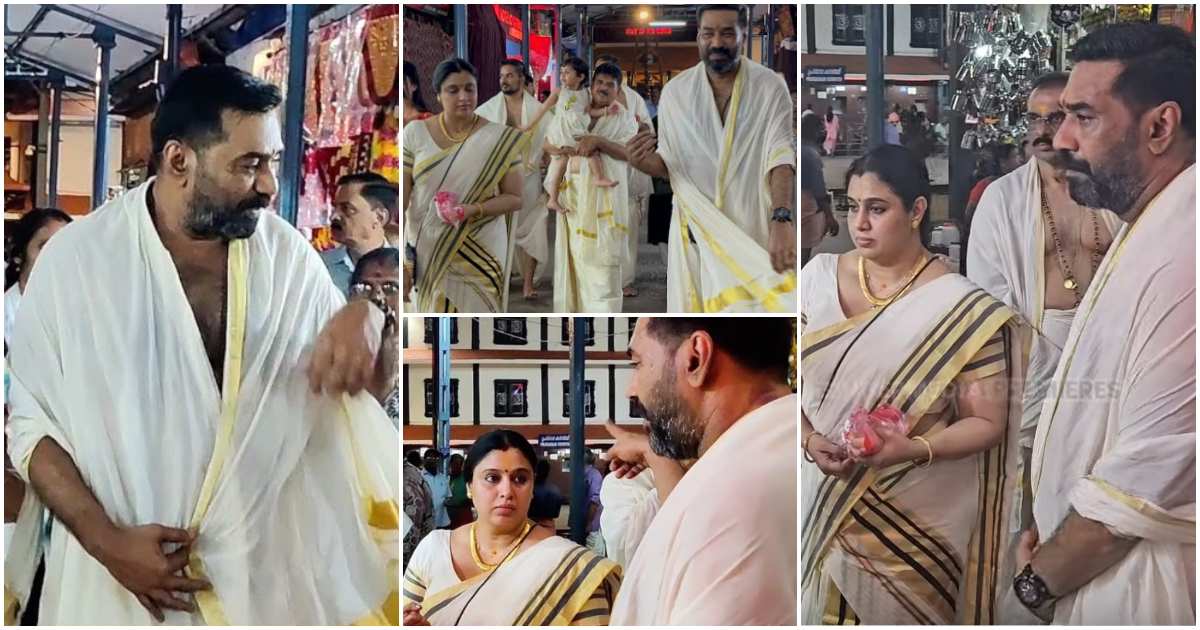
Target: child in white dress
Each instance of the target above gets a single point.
(572, 117)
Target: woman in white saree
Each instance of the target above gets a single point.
(460, 266)
(501, 570)
(913, 532)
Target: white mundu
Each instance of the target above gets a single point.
(1006, 258)
(590, 240)
(1116, 441)
(640, 187)
(629, 508)
(722, 549)
(294, 496)
(717, 257)
(530, 228)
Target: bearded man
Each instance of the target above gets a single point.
(721, 550)
(186, 398)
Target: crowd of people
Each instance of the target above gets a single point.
(663, 546)
(181, 344)
(476, 199)
(1016, 445)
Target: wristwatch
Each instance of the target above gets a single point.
(1031, 589)
(781, 215)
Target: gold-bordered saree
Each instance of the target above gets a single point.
(906, 545)
(460, 268)
(553, 583)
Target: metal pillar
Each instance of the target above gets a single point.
(579, 488)
(170, 58)
(56, 89)
(558, 47)
(749, 30)
(875, 85)
(460, 31)
(960, 159)
(769, 38)
(42, 139)
(105, 39)
(526, 25)
(291, 169)
(580, 20)
(441, 390)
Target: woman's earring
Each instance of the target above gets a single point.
(916, 223)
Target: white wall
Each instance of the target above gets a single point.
(77, 141)
(823, 14)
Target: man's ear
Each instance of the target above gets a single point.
(178, 160)
(699, 356)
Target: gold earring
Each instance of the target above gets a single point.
(916, 223)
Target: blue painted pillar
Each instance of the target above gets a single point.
(105, 40)
(292, 168)
(579, 487)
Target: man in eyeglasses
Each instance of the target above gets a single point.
(1034, 248)
(362, 208)
(377, 277)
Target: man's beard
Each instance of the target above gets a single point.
(674, 430)
(509, 90)
(723, 66)
(1113, 184)
(209, 218)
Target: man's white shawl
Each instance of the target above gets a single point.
(717, 252)
(294, 496)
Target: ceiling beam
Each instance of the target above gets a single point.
(123, 29)
(50, 64)
(33, 23)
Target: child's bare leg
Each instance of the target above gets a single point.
(558, 168)
(598, 176)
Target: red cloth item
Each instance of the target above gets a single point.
(977, 190)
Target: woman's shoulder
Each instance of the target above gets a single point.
(819, 269)
(432, 543)
(416, 133)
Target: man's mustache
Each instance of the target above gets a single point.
(724, 51)
(1068, 162)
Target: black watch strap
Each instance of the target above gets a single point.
(781, 215)
(1030, 589)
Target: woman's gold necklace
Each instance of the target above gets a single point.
(484, 566)
(866, 289)
(446, 132)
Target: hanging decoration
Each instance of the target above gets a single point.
(995, 75)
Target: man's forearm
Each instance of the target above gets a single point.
(1079, 551)
(653, 166)
(782, 182)
(667, 473)
(613, 150)
(58, 483)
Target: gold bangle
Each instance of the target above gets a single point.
(804, 448)
(929, 448)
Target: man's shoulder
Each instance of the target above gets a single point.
(334, 256)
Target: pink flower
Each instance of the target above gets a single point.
(613, 109)
(448, 208)
(865, 426)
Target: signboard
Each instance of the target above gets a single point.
(638, 31)
(554, 440)
(825, 74)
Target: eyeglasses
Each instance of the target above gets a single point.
(366, 288)
(1054, 119)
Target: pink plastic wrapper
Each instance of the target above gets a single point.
(448, 208)
(865, 426)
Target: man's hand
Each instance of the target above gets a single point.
(587, 146)
(1027, 546)
(627, 457)
(135, 558)
(781, 244)
(641, 145)
(344, 356)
